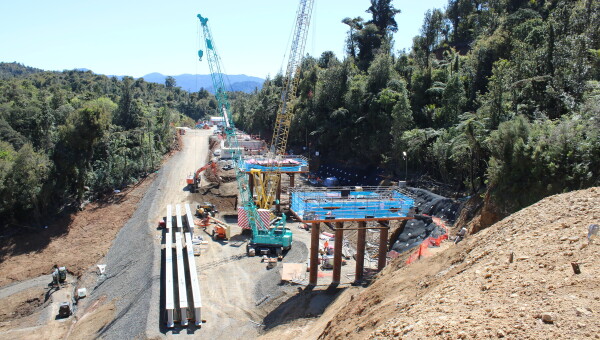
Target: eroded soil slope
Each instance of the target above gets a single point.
(473, 291)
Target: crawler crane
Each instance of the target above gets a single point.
(267, 183)
(264, 237)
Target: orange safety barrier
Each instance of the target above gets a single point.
(430, 241)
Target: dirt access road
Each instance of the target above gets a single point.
(237, 291)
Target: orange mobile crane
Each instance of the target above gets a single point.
(193, 180)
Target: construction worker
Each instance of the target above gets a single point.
(460, 235)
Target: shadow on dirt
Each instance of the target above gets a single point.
(25, 239)
(306, 304)
(22, 239)
(231, 219)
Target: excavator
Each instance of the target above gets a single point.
(193, 180)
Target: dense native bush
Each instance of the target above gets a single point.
(66, 137)
(496, 92)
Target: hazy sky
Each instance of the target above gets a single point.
(139, 37)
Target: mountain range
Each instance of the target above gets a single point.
(193, 83)
(188, 82)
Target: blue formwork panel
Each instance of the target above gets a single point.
(287, 164)
(350, 204)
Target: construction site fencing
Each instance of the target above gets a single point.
(422, 249)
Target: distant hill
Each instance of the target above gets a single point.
(188, 82)
(193, 83)
(10, 70)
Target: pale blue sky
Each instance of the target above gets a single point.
(139, 37)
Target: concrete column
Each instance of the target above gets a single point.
(251, 185)
(360, 251)
(314, 254)
(337, 252)
(278, 194)
(383, 242)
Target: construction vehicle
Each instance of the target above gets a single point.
(194, 180)
(62, 274)
(327, 262)
(271, 237)
(206, 208)
(267, 183)
(65, 309)
(220, 229)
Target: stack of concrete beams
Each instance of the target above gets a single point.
(181, 269)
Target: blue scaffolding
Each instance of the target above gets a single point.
(313, 205)
(287, 164)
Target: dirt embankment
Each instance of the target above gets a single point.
(473, 290)
(77, 241)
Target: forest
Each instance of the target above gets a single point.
(70, 137)
(498, 97)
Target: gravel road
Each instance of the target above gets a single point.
(133, 262)
(129, 278)
(229, 280)
(14, 288)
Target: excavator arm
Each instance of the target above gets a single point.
(211, 164)
(194, 181)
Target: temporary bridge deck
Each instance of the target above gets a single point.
(288, 164)
(357, 204)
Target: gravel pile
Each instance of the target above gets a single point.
(269, 285)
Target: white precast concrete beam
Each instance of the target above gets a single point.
(178, 217)
(169, 217)
(190, 218)
(170, 296)
(183, 300)
(194, 280)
